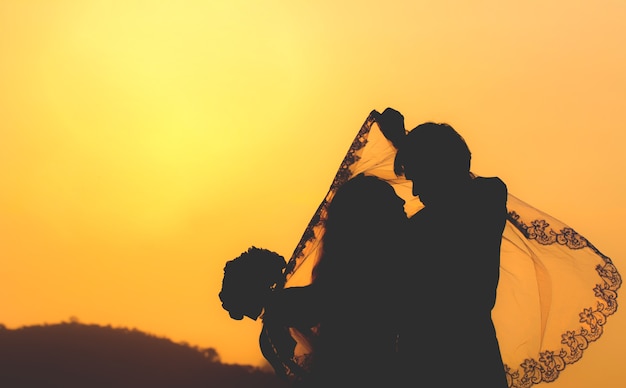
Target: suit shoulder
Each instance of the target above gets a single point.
(493, 185)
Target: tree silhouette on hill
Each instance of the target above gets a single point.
(73, 355)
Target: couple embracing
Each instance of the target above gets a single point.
(393, 298)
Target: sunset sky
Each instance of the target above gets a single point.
(145, 143)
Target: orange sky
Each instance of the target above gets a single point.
(143, 144)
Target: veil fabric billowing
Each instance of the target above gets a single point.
(555, 293)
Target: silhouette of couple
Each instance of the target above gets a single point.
(399, 294)
(393, 300)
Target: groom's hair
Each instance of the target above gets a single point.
(437, 144)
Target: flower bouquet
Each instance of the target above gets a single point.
(248, 280)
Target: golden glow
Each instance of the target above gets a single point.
(143, 144)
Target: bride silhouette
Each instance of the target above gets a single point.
(347, 316)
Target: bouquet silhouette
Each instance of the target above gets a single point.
(248, 280)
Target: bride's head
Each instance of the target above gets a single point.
(363, 219)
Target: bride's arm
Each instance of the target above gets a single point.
(293, 306)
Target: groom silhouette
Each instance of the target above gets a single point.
(447, 336)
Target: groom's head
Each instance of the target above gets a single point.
(434, 157)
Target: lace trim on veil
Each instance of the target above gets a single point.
(314, 230)
(580, 289)
(555, 293)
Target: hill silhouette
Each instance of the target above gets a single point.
(75, 355)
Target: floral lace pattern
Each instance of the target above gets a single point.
(592, 319)
(343, 174)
